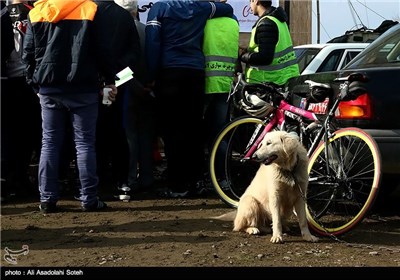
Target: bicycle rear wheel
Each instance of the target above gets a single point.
(344, 178)
(230, 172)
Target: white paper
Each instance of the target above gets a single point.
(124, 76)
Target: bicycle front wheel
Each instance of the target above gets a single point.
(230, 171)
(344, 176)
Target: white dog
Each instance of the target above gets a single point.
(277, 190)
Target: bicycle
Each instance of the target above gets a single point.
(344, 164)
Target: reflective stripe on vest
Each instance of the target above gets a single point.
(220, 48)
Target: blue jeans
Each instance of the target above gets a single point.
(81, 109)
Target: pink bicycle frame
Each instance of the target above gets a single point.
(277, 119)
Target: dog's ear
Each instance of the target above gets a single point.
(289, 143)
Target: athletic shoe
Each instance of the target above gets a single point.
(224, 185)
(124, 188)
(48, 207)
(99, 205)
(173, 194)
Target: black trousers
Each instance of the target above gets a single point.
(180, 102)
(20, 131)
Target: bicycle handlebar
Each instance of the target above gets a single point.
(263, 88)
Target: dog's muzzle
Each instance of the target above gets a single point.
(265, 160)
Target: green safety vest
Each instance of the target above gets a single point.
(220, 48)
(284, 64)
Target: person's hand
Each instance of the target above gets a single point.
(151, 84)
(148, 91)
(113, 93)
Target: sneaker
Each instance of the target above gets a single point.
(224, 185)
(124, 188)
(201, 189)
(172, 194)
(123, 192)
(47, 207)
(99, 205)
(123, 197)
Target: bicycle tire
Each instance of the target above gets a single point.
(335, 204)
(235, 174)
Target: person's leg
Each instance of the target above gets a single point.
(21, 134)
(167, 105)
(192, 137)
(184, 128)
(84, 119)
(147, 137)
(120, 157)
(5, 141)
(54, 115)
(132, 139)
(104, 135)
(215, 118)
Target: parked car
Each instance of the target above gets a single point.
(378, 110)
(314, 58)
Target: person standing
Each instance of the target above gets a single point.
(112, 144)
(221, 51)
(65, 52)
(140, 125)
(270, 56)
(7, 36)
(174, 39)
(7, 46)
(20, 108)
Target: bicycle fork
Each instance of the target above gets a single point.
(257, 137)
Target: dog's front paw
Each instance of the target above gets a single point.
(252, 230)
(277, 239)
(310, 238)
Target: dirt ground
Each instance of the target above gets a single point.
(152, 232)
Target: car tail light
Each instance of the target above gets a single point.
(360, 108)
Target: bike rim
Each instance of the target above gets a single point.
(335, 206)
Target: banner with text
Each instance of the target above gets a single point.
(241, 10)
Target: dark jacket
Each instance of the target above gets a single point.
(266, 38)
(174, 33)
(19, 17)
(125, 37)
(7, 37)
(64, 49)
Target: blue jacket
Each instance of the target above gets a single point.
(174, 33)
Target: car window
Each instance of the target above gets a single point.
(305, 56)
(349, 56)
(331, 62)
(383, 52)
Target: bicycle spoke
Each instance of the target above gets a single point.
(339, 202)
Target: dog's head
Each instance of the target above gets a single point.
(278, 147)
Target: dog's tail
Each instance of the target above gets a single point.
(230, 216)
